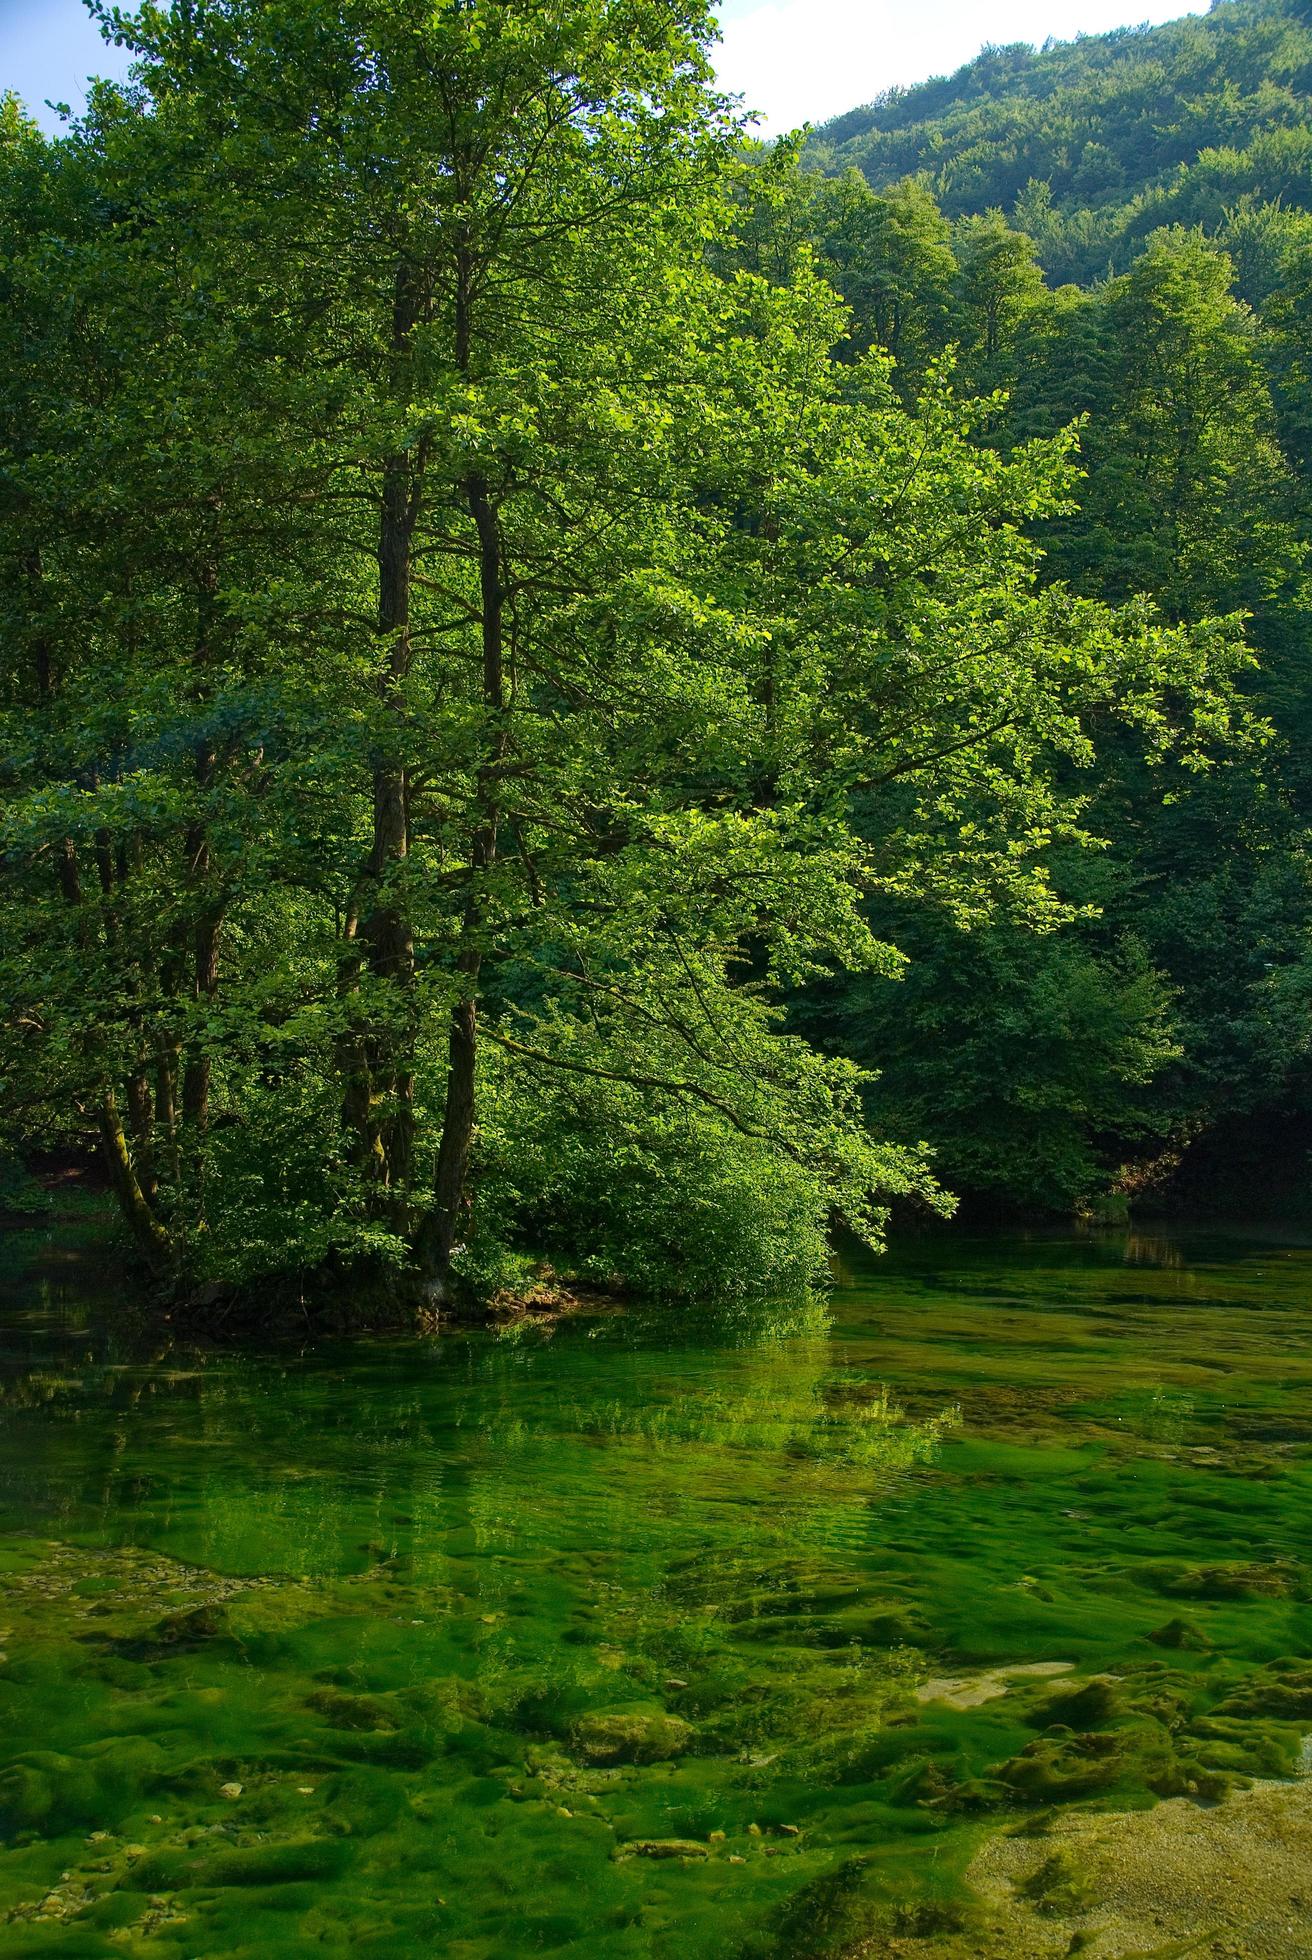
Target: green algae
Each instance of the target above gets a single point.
(610, 1638)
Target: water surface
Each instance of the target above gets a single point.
(640, 1636)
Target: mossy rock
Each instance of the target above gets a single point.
(47, 1792)
(113, 1910)
(1092, 1705)
(937, 1786)
(1279, 1693)
(1057, 1768)
(631, 1738)
(1232, 1579)
(165, 1870)
(1244, 1747)
(930, 1783)
(175, 1633)
(834, 1913)
(77, 1943)
(386, 1748)
(364, 1802)
(819, 1600)
(193, 1628)
(893, 1626)
(663, 1848)
(347, 1711)
(929, 1919)
(302, 1860)
(1185, 1777)
(1179, 1635)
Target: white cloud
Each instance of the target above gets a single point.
(804, 60)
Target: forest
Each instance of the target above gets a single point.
(585, 695)
(1115, 236)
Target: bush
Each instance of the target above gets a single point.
(665, 1201)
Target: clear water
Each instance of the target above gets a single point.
(628, 1637)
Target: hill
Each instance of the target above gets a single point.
(1092, 145)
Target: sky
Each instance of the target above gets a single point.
(794, 60)
(805, 60)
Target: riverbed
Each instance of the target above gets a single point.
(818, 1629)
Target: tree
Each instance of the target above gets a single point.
(890, 256)
(1289, 318)
(999, 284)
(1033, 1059)
(486, 624)
(1189, 494)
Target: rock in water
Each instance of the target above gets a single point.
(631, 1738)
(662, 1848)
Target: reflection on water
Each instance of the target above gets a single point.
(607, 1640)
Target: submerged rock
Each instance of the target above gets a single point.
(632, 1738)
(1178, 1634)
(347, 1711)
(45, 1792)
(662, 1848)
(1229, 1579)
(973, 1690)
(1056, 1767)
(1281, 1692)
(1092, 1705)
(191, 1629)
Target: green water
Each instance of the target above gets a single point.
(401, 1593)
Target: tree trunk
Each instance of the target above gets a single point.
(198, 1071)
(152, 1239)
(141, 1113)
(444, 1229)
(168, 1061)
(377, 1052)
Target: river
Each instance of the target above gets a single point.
(723, 1634)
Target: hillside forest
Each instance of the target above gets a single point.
(1115, 236)
(581, 690)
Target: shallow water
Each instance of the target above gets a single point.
(316, 1649)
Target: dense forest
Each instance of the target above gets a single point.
(580, 689)
(1115, 236)
(1093, 145)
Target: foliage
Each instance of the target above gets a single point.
(1166, 169)
(479, 639)
(1031, 1059)
(491, 632)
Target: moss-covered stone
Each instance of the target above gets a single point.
(1281, 1693)
(1092, 1705)
(637, 1737)
(346, 1711)
(1058, 1768)
(663, 1848)
(1180, 1635)
(1228, 1579)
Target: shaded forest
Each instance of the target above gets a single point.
(1115, 235)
